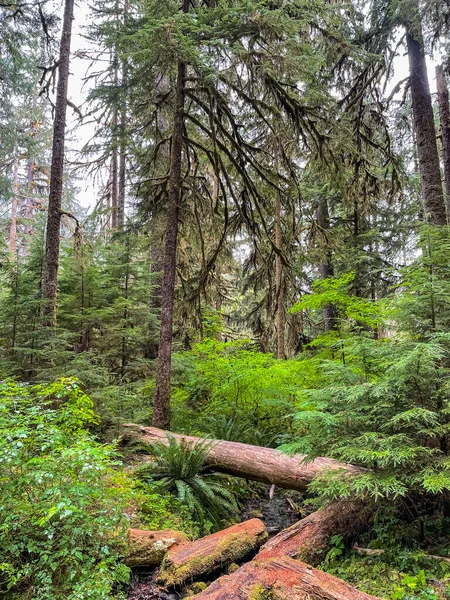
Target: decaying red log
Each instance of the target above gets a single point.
(309, 539)
(148, 548)
(191, 560)
(252, 462)
(280, 578)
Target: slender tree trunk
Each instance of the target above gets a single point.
(122, 145)
(325, 266)
(14, 206)
(278, 270)
(161, 406)
(444, 115)
(122, 171)
(29, 201)
(53, 234)
(115, 155)
(430, 173)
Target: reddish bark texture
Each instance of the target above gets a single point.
(161, 404)
(252, 462)
(285, 579)
(444, 115)
(429, 168)
(53, 233)
(310, 538)
(187, 561)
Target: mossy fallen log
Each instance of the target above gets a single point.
(186, 562)
(280, 578)
(251, 462)
(148, 548)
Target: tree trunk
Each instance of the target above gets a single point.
(14, 207)
(429, 168)
(279, 301)
(208, 554)
(122, 170)
(115, 154)
(252, 462)
(325, 266)
(161, 404)
(444, 115)
(282, 578)
(29, 201)
(53, 233)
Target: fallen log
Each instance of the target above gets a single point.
(280, 578)
(309, 539)
(148, 548)
(379, 552)
(251, 462)
(188, 561)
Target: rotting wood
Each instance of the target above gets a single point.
(280, 578)
(191, 560)
(148, 548)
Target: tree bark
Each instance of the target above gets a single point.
(282, 578)
(14, 206)
(309, 539)
(274, 569)
(122, 143)
(122, 170)
(429, 168)
(326, 265)
(208, 554)
(252, 462)
(279, 301)
(444, 116)
(53, 233)
(115, 153)
(161, 404)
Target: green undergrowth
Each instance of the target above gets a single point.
(395, 575)
(409, 559)
(163, 511)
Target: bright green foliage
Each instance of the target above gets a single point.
(61, 514)
(386, 403)
(179, 467)
(334, 291)
(242, 391)
(395, 575)
(158, 509)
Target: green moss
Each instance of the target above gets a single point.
(231, 548)
(258, 592)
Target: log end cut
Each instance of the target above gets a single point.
(148, 548)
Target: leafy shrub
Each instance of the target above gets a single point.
(395, 575)
(62, 506)
(235, 382)
(179, 467)
(158, 510)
